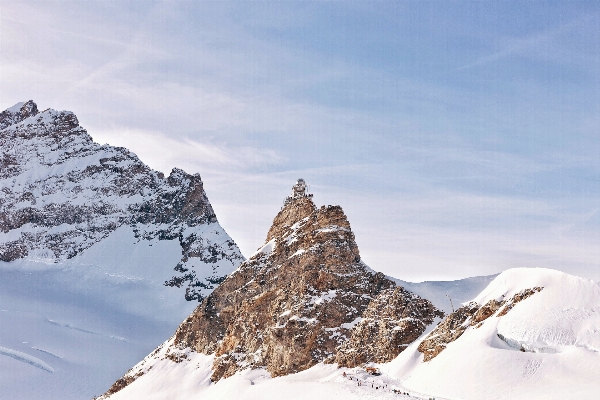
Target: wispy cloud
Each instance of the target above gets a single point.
(523, 46)
(164, 152)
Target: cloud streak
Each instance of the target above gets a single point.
(523, 46)
(164, 152)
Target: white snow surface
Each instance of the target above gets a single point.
(559, 329)
(87, 319)
(16, 108)
(189, 379)
(266, 249)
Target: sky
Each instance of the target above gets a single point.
(460, 138)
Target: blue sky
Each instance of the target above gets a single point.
(461, 138)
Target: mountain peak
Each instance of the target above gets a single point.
(62, 193)
(296, 207)
(17, 113)
(304, 298)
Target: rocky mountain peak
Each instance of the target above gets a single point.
(17, 113)
(303, 298)
(62, 193)
(297, 206)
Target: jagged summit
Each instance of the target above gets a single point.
(296, 206)
(62, 193)
(17, 113)
(303, 298)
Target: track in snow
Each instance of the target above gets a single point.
(26, 358)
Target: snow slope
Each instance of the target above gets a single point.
(189, 379)
(68, 330)
(550, 347)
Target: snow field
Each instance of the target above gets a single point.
(87, 319)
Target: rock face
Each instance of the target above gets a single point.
(466, 316)
(393, 320)
(305, 297)
(61, 193)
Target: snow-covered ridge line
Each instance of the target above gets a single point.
(470, 315)
(62, 193)
(531, 333)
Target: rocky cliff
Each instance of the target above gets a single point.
(303, 298)
(61, 193)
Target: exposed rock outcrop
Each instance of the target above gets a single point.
(305, 297)
(469, 315)
(393, 320)
(61, 193)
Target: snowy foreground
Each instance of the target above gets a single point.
(190, 380)
(546, 347)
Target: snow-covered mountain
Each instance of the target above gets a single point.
(89, 240)
(304, 298)
(62, 193)
(530, 334)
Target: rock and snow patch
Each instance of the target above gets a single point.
(351, 324)
(322, 297)
(544, 346)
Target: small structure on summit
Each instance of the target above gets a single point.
(298, 191)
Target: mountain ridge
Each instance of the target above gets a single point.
(62, 193)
